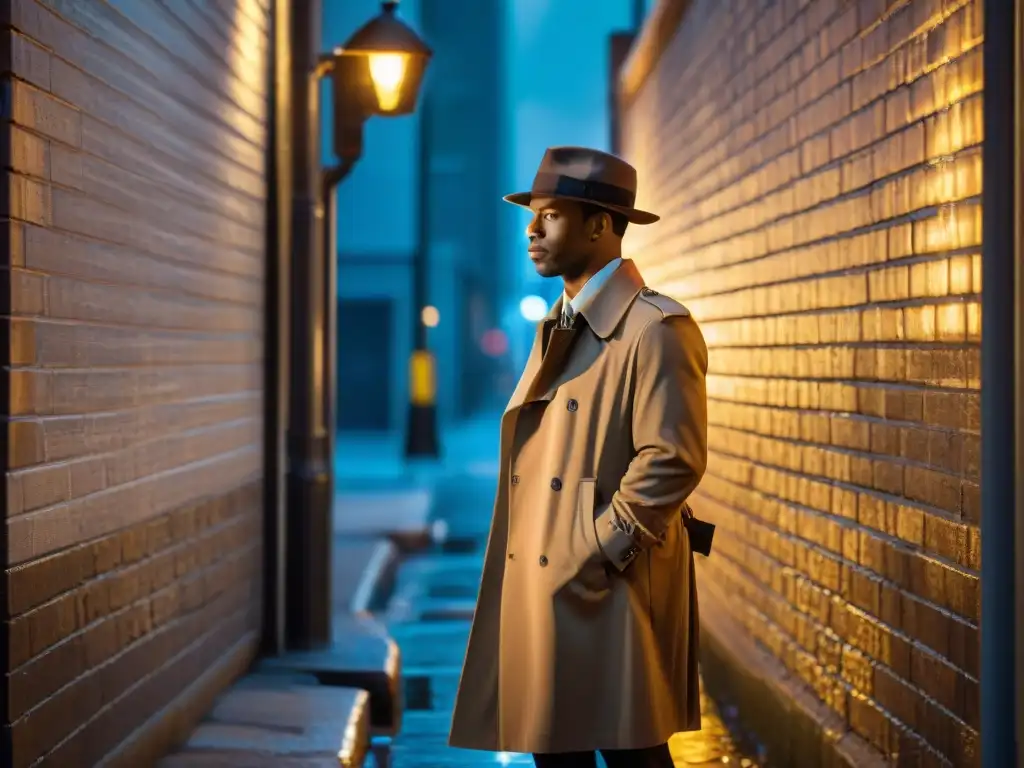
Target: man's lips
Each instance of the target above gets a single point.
(536, 249)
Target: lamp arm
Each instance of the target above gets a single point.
(324, 66)
(351, 129)
(335, 174)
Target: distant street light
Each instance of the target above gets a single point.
(494, 342)
(430, 317)
(533, 308)
(378, 72)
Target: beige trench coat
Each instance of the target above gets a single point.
(585, 632)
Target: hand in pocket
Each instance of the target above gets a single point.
(591, 578)
(592, 581)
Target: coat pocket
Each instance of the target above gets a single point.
(586, 508)
(591, 572)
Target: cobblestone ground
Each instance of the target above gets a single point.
(429, 616)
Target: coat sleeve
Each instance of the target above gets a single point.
(669, 424)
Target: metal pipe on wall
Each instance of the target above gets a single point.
(1018, 318)
(329, 185)
(310, 465)
(330, 178)
(1000, 407)
(276, 315)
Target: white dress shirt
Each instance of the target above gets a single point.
(591, 287)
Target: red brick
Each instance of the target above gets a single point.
(133, 206)
(807, 220)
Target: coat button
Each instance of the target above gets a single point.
(572, 405)
(556, 484)
(511, 556)
(543, 560)
(515, 479)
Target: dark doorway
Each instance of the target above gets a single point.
(365, 376)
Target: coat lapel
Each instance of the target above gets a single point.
(534, 361)
(559, 345)
(602, 314)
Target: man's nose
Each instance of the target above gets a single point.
(534, 229)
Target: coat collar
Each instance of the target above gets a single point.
(593, 285)
(605, 309)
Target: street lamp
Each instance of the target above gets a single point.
(378, 72)
(421, 423)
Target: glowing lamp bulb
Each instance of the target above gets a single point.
(387, 70)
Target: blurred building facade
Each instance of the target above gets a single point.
(818, 167)
(459, 217)
(133, 214)
(424, 190)
(376, 241)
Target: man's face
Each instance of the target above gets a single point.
(560, 240)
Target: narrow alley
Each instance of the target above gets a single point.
(272, 270)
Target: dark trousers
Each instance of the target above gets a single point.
(654, 757)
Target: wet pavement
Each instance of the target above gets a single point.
(429, 616)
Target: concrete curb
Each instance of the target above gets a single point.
(798, 729)
(377, 579)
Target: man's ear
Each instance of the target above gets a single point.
(601, 224)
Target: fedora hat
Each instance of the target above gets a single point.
(589, 176)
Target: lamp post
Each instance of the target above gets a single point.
(421, 424)
(379, 72)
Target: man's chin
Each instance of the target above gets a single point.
(544, 269)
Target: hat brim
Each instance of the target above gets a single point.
(633, 215)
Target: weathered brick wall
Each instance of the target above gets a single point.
(133, 232)
(818, 166)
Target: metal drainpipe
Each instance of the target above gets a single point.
(279, 208)
(1018, 304)
(310, 466)
(999, 406)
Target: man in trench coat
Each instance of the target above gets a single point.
(585, 632)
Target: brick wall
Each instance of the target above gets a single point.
(132, 212)
(818, 166)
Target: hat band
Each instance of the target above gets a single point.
(556, 185)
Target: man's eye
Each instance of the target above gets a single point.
(550, 216)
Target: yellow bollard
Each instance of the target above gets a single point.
(422, 379)
(421, 431)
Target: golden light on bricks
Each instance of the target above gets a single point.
(821, 225)
(248, 48)
(942, 180)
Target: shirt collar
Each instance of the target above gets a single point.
(592, 286)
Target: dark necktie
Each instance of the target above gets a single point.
(566, 320)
